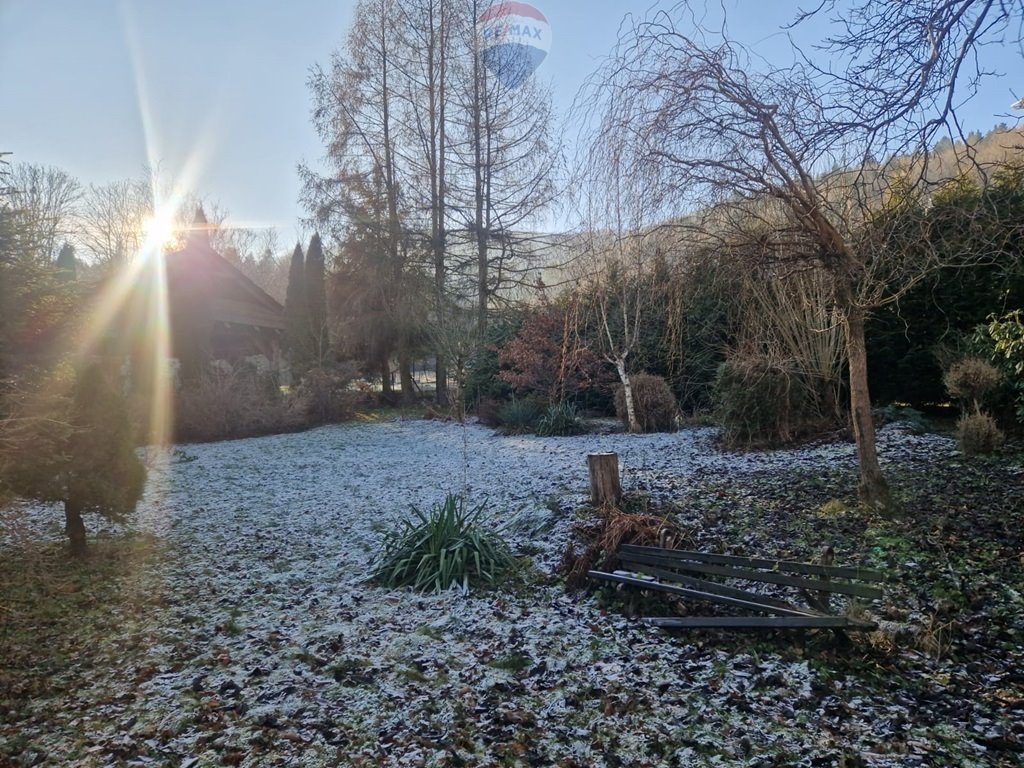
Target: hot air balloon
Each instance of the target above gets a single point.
(515, 39)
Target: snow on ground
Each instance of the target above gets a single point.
(273, 649)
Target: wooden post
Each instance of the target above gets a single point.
(604, 479)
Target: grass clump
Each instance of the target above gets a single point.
(443, 549)
(559, 420)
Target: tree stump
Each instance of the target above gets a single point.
(604, 479)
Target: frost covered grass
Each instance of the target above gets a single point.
(253, 636)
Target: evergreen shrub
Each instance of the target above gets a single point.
(759, 402)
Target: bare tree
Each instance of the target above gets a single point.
(912, 64)
(716, 140)
(506, 157)
(46, 199)
(426, 27)
(112, 220)
(360, 201)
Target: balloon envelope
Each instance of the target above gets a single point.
(515, 39)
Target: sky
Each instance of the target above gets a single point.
(214, 91)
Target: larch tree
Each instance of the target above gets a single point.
(358, 103)
(426, 28)
(505, 161)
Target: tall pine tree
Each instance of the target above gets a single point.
(296, 312)
(316, 302)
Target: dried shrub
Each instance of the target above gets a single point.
(547, 359)
(324, 397)
(601, 539)
(760, 402)
(227, 406)
(655, 405)
(488, 412)
(977, 434)
(971, 380)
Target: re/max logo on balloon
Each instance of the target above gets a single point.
(501, 32)
(514, 39)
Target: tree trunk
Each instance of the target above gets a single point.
(405, 375)
(385, 378)
(441, 380)
(873, 489)
(627, 391)
(75, 527)
(604, 479)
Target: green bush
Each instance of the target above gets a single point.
(444, 549)
(977, 434)
(653, 401)
(915, 421)
(520, 416)
(558, 420)
(760, 403)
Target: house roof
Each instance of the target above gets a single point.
(230, 296)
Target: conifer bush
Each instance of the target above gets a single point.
(442, 549)
(520, 416)
(655, 405)
(758, 402)
(76, 447)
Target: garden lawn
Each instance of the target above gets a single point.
(233, 623)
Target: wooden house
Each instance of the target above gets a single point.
(216, 312)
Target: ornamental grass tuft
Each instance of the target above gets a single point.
(443, 549)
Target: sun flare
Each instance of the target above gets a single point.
(159, 231)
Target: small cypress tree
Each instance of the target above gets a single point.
(79, 451)
(316, 298)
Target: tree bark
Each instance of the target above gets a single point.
(627, 391)
(605, 489)
(75, 527)
(405, 375)
(872, 488)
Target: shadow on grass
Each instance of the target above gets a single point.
(63, 620)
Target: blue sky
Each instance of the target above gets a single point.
(223, 82)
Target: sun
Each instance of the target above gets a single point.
(159, 231)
